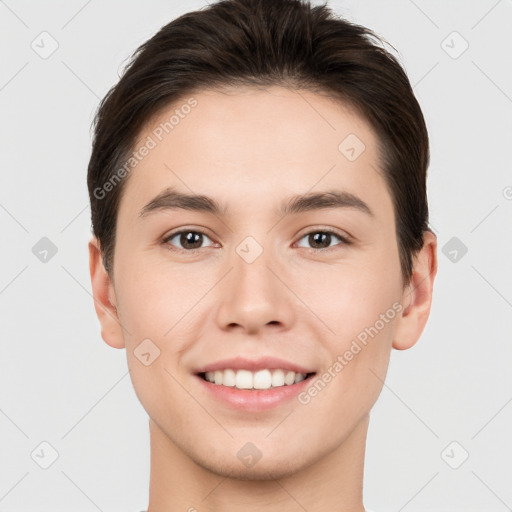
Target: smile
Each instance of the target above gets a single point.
(261, 379)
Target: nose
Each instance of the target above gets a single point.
(254, 295)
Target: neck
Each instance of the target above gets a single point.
(333, 482)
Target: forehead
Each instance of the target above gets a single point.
(273, 122)
(245, 141)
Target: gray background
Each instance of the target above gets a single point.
(61, 384)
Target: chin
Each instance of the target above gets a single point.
(261, 471)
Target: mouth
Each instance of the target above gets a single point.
(261, 380)
(253, 385)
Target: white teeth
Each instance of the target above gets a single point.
(289, 378)
(277, 378)
(262, 379)
(243, 379)
(299, 377)
(229, 378)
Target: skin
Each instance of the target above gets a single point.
(251, 149)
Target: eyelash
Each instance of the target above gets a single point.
(344, 240)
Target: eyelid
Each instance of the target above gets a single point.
(328, 229)
(185, 229)
(345, 238)
(167, 237)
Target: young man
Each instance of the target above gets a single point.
(261, 243)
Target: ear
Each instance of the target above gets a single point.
(104, 298)
(417, 295)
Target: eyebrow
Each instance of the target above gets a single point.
(171, 199)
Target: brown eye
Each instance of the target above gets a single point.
(190, 240)
(321, 239)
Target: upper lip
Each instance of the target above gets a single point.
(241, 363)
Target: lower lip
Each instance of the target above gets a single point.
(257, 399)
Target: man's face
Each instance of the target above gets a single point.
(259, 284)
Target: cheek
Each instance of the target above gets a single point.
(350, 296)
(358, 357)
(155, 296)
(158, 315)
(360, 305)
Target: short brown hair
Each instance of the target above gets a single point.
(262, 43)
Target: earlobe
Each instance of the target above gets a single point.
(417, 296)
(104, 298)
